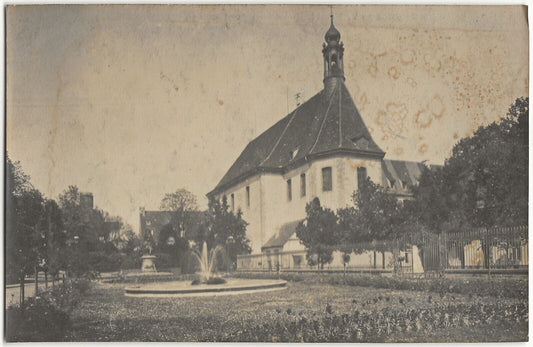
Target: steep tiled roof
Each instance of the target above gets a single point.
(327, 123)
(280, 238)
(402, 175)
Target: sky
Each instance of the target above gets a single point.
(130, 102)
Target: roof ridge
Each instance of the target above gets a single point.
(324, 120)
(281, 136)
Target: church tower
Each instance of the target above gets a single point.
(332, 50)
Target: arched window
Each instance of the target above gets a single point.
(334, 60)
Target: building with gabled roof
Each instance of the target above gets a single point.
(321, 149)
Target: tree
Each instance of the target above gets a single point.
(181, 202)
(54, 237)
(318, 233)
(171, 246)
(226, 229)
(376, 214)
(24, 207)
(485, 181)
(88, 250)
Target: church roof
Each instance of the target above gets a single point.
(402, 175)
(326, 124)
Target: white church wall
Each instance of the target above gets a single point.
(270, 206)
(251, 213)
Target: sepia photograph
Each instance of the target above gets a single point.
(266, 173)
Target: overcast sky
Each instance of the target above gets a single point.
(132, 102)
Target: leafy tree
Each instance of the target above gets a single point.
(24, 207)
(182, 227)
(318, 233)
(54, 239)
(131, 241)
(485, 181)
(86, 236)
(181, 202)
(172, 245)
(226, 229)
(376, 215)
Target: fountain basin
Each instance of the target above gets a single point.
(186, 289)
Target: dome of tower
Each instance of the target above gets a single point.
(332, 34)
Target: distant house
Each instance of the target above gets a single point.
(321, 149)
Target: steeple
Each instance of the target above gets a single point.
(332, 50)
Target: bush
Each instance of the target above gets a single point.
(103, 261)
(164, 261)
(216, 280)
(38, 320)
(212, 280)
(130, 261)
(46, 317)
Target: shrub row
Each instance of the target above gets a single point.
(496, 287)
(47, 316)
(378, 326)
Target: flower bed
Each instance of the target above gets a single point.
(379, 326)
(496, 287)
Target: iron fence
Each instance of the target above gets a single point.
(483, 250)
(487, 248)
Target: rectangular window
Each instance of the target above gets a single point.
(297, 260)
(247, 196)
(289, 190)
(326, 179)
(302, 184)
(361, 176)
(232, 202)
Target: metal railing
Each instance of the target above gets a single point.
(484, 250)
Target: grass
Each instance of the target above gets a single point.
(107, 315)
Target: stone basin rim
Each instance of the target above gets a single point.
(213, 288)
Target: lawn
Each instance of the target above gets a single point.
(302, 312)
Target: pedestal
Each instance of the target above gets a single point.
(148, 263)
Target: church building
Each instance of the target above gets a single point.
(321, 149)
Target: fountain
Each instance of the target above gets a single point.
(208, 284)
(207, 262)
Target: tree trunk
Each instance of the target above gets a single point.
(46, 280)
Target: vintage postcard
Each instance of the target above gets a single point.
(266, 173)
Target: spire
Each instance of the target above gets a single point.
(332, 50)
(332, 34)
